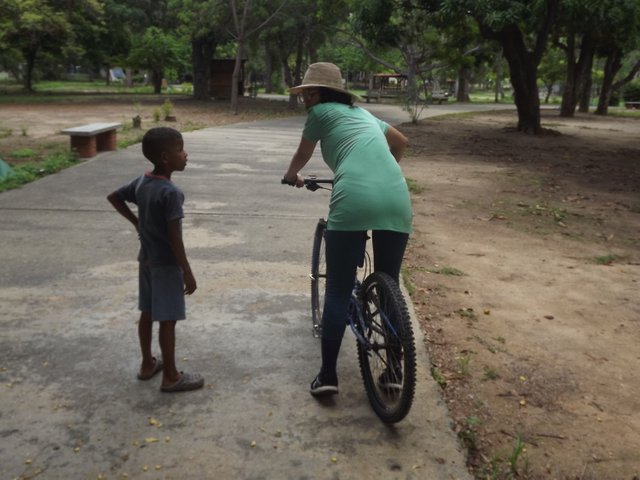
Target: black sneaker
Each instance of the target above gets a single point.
(391, 379)
(319, 389)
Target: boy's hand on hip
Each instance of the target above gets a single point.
(189, 283)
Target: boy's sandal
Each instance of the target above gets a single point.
(157, 368)
(188, 381)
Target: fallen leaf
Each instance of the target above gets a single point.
(253, 444)
(151, 439)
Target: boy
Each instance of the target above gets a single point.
(164, 272)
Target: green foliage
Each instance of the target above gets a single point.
(608, 259)
(167, 108)
(155, 50)
(23, 153)
(631, 92)
(29, 172)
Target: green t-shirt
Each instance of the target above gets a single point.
(369, 191)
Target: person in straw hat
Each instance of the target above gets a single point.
(369, 193)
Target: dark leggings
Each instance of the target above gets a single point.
(345, 251)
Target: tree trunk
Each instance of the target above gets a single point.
(464, 80)
(268, 70)
(568, 104)
(577, 73)
(587, 85)
(523, 70)
(202, 49)
(499, 93)
(156, 80)
(611, 67)
(235, 76)
(30, 57)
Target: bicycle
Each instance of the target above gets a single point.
(379, 318)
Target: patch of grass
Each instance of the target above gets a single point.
(28, 172)
(23, 153)
(608, 259)
(468, 434)
(463, 364)
(406, 279)
(490, 373)
(514, 466)
(487, 344)
(468, 313)
(623, 112)
(450, 271)
(414, 186)
(127, 142)
(515, 456)
(438, 377)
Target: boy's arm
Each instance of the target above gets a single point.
(122, 208)
(177, 245)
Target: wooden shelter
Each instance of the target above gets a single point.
(220, 80)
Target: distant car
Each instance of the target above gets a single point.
(439, 96)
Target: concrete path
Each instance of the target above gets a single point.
(71, 406)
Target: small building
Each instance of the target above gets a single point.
(220, 79)
(386, 86)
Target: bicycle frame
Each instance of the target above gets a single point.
(356, 318)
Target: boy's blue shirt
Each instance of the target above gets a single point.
(159, 201)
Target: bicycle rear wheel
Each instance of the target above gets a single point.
(318, 276)
(387, 357)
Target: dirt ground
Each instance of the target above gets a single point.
(524, 269)
(525, 266)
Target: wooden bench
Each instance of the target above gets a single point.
(90, 139)
(378, 95)
(630, 105)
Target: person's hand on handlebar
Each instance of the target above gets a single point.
(297, 182)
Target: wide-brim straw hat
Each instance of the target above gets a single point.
(322, 74)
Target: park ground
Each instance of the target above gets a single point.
(524, 269)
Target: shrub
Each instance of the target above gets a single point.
(632, 92)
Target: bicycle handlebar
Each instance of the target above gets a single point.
(311, 183)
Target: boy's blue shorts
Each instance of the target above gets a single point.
(162, 292)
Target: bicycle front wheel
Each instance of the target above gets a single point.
(318, 276)
(387, 356)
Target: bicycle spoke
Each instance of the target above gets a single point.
(387, 358)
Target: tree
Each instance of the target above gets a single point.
(551, 70)
(295, 40)
(155, 51)
(522, 29)
(32, 27)
(246, 23)
(203, 23)
(408, 29)
(577, 31)
(623, 37)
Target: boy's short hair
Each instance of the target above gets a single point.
(158, 140)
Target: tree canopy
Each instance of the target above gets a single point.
(425, 40)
